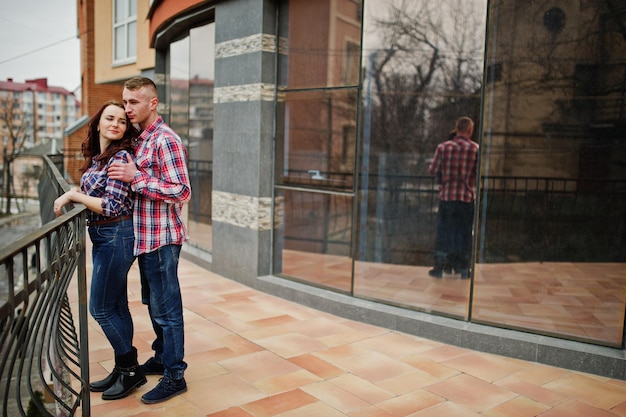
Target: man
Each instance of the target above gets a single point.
(455, 165)
(160, 180)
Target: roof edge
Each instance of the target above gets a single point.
(77, 125)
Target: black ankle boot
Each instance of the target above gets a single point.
(104, 384)
(130, 377)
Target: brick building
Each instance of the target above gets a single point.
(310, 125)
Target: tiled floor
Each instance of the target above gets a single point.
(252, 354)
(584, 301)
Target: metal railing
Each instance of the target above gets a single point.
(532, 218)
(44, 362)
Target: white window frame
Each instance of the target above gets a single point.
(127, 20)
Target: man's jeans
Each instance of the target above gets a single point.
(453, 244)
(161, 292)
(112, 255)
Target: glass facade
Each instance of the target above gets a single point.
(316, 141)
(356, 207)
(551, 242)
(191, 85)
(366, 91)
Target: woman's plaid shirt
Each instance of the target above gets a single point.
(117, 198)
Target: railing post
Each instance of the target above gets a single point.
(81, 272)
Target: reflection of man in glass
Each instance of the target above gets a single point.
(454, 164)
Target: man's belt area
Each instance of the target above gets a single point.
(109, 220)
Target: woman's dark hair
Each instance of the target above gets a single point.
(91, 145)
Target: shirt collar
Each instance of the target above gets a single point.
(145, 134)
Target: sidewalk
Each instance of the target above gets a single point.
(18, 225)
(253, 354)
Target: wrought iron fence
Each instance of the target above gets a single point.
(44, 363)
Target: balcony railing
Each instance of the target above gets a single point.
(43, 354)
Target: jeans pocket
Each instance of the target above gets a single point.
(128, 244)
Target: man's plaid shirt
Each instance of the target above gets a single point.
(455, 162)
(162, 187)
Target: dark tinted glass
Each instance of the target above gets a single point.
(551, 242)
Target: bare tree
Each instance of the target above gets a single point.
(425, 65)
(430, 55)
(17, 126)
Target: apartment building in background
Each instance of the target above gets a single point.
(38, 114)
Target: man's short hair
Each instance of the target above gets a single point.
(464, 124)
(138, 82)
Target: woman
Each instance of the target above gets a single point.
(109, 138)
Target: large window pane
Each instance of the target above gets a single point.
(201, 88)
(179, 87)
(313, 242)
(552, 240)
(322, 41)
(191, 68)
(316, 136)
(423, 64)
(318, 139)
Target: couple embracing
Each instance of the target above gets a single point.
(134, 184)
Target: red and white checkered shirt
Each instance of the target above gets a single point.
(455, 162)
(162, 187)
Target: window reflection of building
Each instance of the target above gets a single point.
(550, 172)
(201, 147)
(191, 90)
(423, 69)
(554, 173)
(317, 138)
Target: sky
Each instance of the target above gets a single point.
(39, 39)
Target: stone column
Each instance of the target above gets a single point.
(243, 138)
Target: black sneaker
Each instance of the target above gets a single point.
(166, 389)
(435, 273)
(152, 367)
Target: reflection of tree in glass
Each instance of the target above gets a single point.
(426, 69)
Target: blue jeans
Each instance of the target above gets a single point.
(453, 244)
(112, 255)
(161, 292)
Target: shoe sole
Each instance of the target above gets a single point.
(160, 400)
(127, 392)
